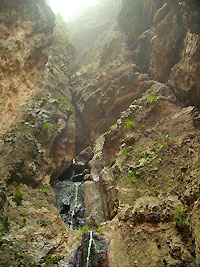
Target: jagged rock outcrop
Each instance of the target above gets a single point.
(131, 108)
(91, 22)
(154, 45)
(164, 37)
(25, 37)
(33, 149)
(154, 166)
(36, 143)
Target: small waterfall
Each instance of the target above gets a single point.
(75, 204)
(89, 248)
(92, 252)
(69, 201)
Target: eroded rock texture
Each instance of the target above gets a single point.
(36, 144)
(134, 116)
(148, 158)
(26, 28)
(37, 60)
(145, 169)
(164, 37)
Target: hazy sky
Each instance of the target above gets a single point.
(68, 7)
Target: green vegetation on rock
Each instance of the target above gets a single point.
(24, 213)
(99, 230)
(18, 196)
(52, 258)
(129, 123)
(181, 217)
(61, 31)
(83, 70)
(153, 98)
(85, 228)
(46, 190)
(46, 127)
(24, 127)
(64, 99)
(132, 177)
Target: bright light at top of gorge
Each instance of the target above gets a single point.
(68, 7)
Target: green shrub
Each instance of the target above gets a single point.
(24, 213)
(153, 98)
(52, 258)
(99, 230)
(46, 190)
(129, 123)
(126, 150)
(46, 127)
(24, 127)
(83, 70)
(85, 228)
(18, 196)
(132, 177)
(64, 99)
(181, 217)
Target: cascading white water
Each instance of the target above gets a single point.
(89, 248)
(75, 204)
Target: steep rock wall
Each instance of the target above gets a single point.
(40, 131)
(162, 41)
(145, 169)
(164, 37)
(143, 180)
(26, 29)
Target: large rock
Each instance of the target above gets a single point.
(170, 54)
(146, 157)
(26, 33)
(94, 212)
(166, 47)
(100, 101)
(33, 147)
(45, 129)
(185, 74)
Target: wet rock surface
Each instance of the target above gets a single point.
(136, 182)
(33, 147)
(69, 201)
(91, 253)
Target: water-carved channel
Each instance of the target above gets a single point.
(92, 252)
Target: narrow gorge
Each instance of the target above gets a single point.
(100, 134)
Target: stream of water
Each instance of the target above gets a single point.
(89, 248)
(69, 201)
(75, 204)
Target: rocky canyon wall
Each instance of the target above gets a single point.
(128, 100)
(37, 129)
